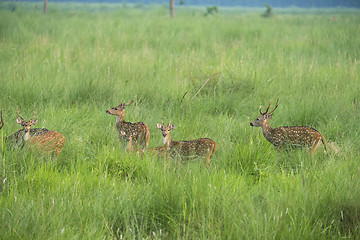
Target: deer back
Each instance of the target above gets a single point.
(306, 137)
(18, 137)
(50, 141)
(159, 151)
(201, 147)
(140, 132)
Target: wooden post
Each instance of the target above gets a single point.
(172, 8)
(45, 6)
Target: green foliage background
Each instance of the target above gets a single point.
(79, 60)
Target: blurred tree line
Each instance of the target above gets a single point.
(243, 3)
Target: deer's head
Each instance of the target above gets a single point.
(26, 124)
(120, 109)
(264, 116)
(165, 130)
(128, 137)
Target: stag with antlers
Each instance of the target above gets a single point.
(17, 138)
(47, 142)
(305, 137)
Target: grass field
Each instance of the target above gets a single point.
(77, 61)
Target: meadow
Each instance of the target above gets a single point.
(79, 60)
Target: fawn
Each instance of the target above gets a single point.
(203, 147)
(305, 137)
(47, 142)
(142, 131)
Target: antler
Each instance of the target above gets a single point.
(274, 107)
(17, 111)
(267, 109)
(169, 124)
(34, 115)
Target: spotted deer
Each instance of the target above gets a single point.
(157, 150)
(305, 137)
(142, 136)
(199, 148)
(47, 142)
(17, 138)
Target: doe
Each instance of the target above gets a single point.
(203, 148)
(142, 131)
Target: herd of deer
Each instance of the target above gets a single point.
(137, 135)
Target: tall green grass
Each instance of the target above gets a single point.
(79, 60)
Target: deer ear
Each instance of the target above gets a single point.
(268, 116)
(158, 126)
(123, 133)
(34, 122)
(18, 121)
(172, 127)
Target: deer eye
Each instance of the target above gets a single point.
(257, 119)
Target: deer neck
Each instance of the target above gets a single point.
(120, 118)
(27, 134)
(167, 141)
(267, 130)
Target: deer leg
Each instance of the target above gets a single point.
(313, 148)
(208, 158)
(146, 139)
(316, 145)
(206, 161)
(144, 143)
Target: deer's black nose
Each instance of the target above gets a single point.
(251, 124)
